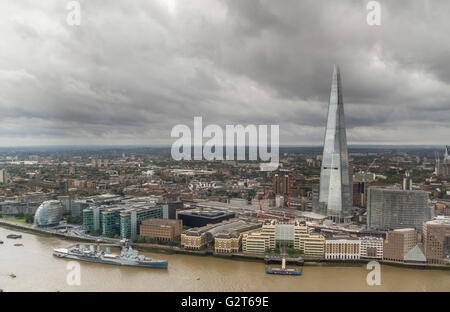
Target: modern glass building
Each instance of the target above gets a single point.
(91, 219)
(130, 220)
(389, 208)
(334, 194)
(111, 221)
(49, 213)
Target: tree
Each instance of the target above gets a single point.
(29, 218)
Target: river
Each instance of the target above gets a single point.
(36, 269)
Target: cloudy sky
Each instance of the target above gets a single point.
(134, 69)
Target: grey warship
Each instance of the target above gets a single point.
(127, 257)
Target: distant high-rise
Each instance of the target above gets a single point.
(3, 176)
(407, 181)
(334, 194)
(443, 168)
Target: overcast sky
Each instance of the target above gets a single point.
(134, 69)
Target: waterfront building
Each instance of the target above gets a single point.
(293, 234)
(436, 237)
(254, 243)
(398, 243)
(389, 208)
(228, 233)
(195, 238)
(371, 248)
(334, 195)
(49, 213)
(26, 204)
(342, 248)
(161, 229)
(118, 216)
(314, 245)
(203, 217)
(110, 221)
(130, 220)
(305, 239)
(91, 219)
(229, 240)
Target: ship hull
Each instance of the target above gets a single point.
(282, 272)
(153, 265)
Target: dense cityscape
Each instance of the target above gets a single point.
(400, 203)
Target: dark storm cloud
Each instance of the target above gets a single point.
(134, 69)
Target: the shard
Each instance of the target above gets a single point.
(334, 193)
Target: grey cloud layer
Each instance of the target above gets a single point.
(134, 69)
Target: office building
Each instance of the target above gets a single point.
(228, 233)
(170, 210)
(162, 229)
(436, 237)
(389, 208)
(49, 213)
(360, 193)
(77, 207)
(254, 243)
(110, 221)
(295, 234)
(371, 248)
(91, 219)
(334, 194)
(200, 218)
(229, 239)
(398, 243)
(113, 216)
(66, 202)
(130, 220)
(342, 248)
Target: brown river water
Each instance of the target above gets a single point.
(36, 269)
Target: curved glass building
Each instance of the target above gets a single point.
(49, 213)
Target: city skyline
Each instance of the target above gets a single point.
(99, 84)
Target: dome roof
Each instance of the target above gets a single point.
(49, 213)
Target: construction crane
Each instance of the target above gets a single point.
(265, 198)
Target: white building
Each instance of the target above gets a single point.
(371, 248)
(342, 248)
(3, 176)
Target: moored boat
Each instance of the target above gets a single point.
(128, 257)
(14, 236)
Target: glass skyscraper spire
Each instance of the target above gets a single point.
(334, 193)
